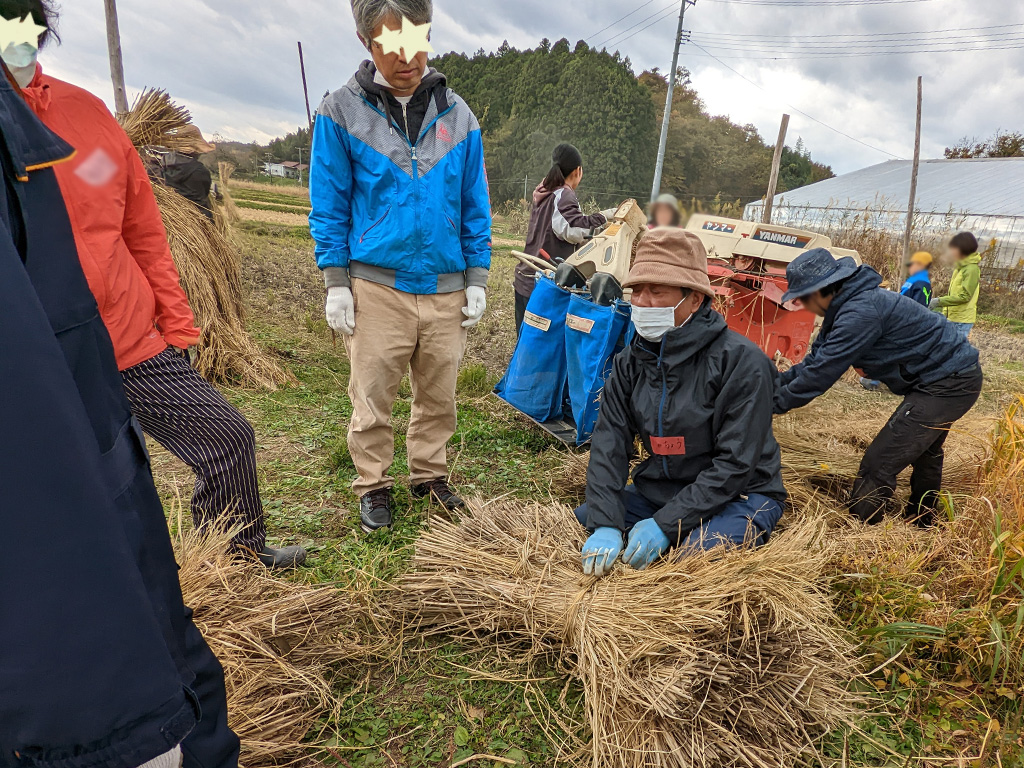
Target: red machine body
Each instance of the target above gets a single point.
(747, 265)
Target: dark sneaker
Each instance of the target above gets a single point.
(282, 559)
(375, 510)
(439, 491)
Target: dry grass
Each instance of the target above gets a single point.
(154, 120)
(208, 263)
(209, 266)
(727, 658)
(273, 217)
(282, 646)
(278, 189)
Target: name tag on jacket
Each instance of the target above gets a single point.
(668, 446)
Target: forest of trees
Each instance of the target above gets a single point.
(528, 101)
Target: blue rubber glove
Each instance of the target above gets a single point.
(647, 542)
(601, 551)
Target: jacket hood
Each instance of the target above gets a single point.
(540, 194)
(974, 258)
(682, 343)
(368, 70)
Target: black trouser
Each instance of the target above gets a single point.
(188, 416)
(521, 302)
(914, 436)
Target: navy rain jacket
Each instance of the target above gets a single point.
(701, 403)
(891, 338)
(99, 658)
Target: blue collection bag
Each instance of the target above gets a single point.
(593, 335)
(535, 381)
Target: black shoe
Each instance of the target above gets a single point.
(375, 510)
(439, 491)
(282, 559)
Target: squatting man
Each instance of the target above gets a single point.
(699, 396)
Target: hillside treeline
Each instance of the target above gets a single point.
(530, 100)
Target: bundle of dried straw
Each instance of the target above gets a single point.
(727, 658)
(282, 645)
(208, 263)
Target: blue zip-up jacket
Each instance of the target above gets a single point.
(701, 403)
(413, 212)
(918, 288)
(889, 337)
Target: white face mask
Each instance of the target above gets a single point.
(20, 56)
(21, 60)
(654, 322)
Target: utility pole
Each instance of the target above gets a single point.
(773, 182)
(660, 167)
(300, 165)
(526, 189)
(114, 52)
(913, 184)
(305, 92)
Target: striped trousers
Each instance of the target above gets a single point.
(185, 414)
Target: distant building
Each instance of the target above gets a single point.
(984, 195)
(286, 170)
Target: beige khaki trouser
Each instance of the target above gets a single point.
(396, 332)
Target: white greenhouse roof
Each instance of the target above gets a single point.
(982, 187)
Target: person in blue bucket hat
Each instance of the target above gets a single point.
(699, 397)
(891, 338)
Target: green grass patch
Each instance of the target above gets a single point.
(301, 211)
(1007, 324)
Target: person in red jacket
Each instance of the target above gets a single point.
(122, 245)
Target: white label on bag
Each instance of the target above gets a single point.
(581, 324)
(536, 321)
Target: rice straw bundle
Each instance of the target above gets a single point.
(210, 273)
(154, 120)
(723, 658)
(282, 644)
(208, 263)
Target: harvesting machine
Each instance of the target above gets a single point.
(578, 317)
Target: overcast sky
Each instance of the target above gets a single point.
(234, 62)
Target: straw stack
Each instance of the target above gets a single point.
(282, 645)
(729, 658)
(209, 265)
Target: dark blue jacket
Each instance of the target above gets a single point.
(700, 402)
(918, 288)
(888, 336)
(94, 669)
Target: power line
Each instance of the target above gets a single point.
(668, 14)
(627, 29)
(861, 34)
(800, 111)
(644, 5)
(817, 3)
(853, 55)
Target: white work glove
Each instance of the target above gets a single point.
(476, 303)
(341, 310)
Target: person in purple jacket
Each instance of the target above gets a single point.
(557, 225)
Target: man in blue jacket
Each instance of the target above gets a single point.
(914, 352)
(402, 223)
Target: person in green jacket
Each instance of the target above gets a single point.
(960, 304)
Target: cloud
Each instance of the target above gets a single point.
(234, 63)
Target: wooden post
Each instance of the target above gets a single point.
(912, 202)
(305, 92)
(114, 52)
(773, 182)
